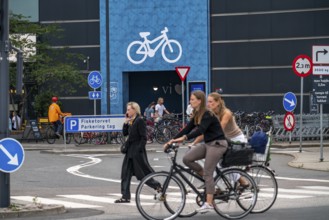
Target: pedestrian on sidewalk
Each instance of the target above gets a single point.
(135, 162)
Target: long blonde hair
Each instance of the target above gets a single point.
(220, 110)
(198, 113)
(135, 106)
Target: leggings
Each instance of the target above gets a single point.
(212, 152)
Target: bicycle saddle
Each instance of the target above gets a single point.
(144, 34)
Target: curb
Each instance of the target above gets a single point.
(41, 210)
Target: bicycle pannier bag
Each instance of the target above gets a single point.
(237, 157)
(258, 142)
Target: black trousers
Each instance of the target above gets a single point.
(125, 182)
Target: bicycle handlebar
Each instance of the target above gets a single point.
(171, 147)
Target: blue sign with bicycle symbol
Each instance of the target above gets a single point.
(11, 155)
(95, 80)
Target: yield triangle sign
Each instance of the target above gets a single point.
(182, 71)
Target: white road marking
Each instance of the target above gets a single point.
(54, 201)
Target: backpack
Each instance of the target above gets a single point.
(258, 142)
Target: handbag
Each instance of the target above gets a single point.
(124, 148)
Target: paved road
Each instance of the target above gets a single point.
(88, 185)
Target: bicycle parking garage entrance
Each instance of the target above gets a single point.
(145, 87)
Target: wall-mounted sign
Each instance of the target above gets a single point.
(193, 86)
(138, 51)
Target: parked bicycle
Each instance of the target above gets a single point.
(90, 138)
(231, 200)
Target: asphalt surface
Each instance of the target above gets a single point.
(309, 155)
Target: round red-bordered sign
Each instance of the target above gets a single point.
(302, 65)
(289, 121)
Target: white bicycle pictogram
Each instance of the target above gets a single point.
(171, 49)
(95, 79)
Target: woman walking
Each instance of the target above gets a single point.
(135, 161)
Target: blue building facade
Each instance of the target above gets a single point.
(141, 44)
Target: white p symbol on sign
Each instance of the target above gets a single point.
(73, 123)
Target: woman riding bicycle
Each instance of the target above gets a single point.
(207, 124)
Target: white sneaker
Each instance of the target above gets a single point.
(205, 208)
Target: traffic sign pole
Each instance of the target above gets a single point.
(302, 66)
(94, 104)
(301, 114)
(4, 100)
(321, 135)
(182, 72)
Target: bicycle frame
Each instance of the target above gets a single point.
(179, 169)
(147, 43)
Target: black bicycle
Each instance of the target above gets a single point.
(51, 136)
(178, 196)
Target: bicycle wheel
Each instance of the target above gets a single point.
(149, 134)
(193, 201)
(164, 204)
(267, 187)
(50, 135)
(68, 138)
(231, 200)
(78, 138)
(162, 134)
(137, 52)
(171, 51)
(120, 139)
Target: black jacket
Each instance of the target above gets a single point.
(136, 149)
(210, 127)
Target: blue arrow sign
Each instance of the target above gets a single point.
(11, 155)
(289, 101)
(95, 80)
(95, 94)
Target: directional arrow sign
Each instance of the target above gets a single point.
(94, 94)
(182, 71)
(289, 101)
(320, 54)
(11, 155)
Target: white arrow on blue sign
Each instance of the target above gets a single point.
(95, 79)
(289, 101)
(11, 155)
(94, 94)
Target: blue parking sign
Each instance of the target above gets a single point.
(71, 124)
(289, 101)
(11, 155)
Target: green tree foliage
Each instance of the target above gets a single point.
(49, 71)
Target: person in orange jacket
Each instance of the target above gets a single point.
(54, 113)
